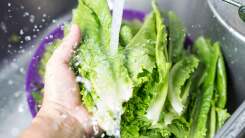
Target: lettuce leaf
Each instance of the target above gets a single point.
(153, 87)
(109, 79)
(222, 116)
(208, 55)
(160, 88)
(147, 62)
(177, 34)
(140, 52)
(179, 75)
(221, 82)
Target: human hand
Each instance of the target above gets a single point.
(61, 114)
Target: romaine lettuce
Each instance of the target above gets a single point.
(153, 87)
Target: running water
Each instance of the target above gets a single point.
(116, 25)
(115, 30)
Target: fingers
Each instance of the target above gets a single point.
(61, 88)
(60, 83)
(64, 52)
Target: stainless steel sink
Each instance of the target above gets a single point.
(201, 17)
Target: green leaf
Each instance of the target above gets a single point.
(221, 81)
(110, 82)
(38, 98)
(134, 25)
(211, 123)
(208, 55)
(222, 116)
(140, 52)
(177, 33)
(94, 20)
(125, 35)
(178, 76)
(179, 128)
(163, 66)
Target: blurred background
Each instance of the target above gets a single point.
(23, 23)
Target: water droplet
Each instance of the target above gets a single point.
(3, 27)
(22, 7)
(102, 135)
(22, 70)
(32, 18)
(43, 20)
(20, 108)
(235, 49)
(9, 4)
(26, 14)
(27, 38)
(44, 15)
(51, 36)
(39, 7)
(21, 32)
(117, 133)
(17, 94)
(53, 21)
(62, 27)
(79, 79)
(10, 82)
(64, 116)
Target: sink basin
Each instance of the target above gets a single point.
(200, 17)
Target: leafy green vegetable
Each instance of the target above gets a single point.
(148, 100)
(140, 52)
(37, 97)
(211, 123)
(177, 34)
(221, 81)
(109, 79)
(179, 127)
(153, 87)
(179, 74)
(222, 116)
(163, 66)
(208, 54)
(126, 35)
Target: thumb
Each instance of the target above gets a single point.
(60, 84)
(64, 52)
